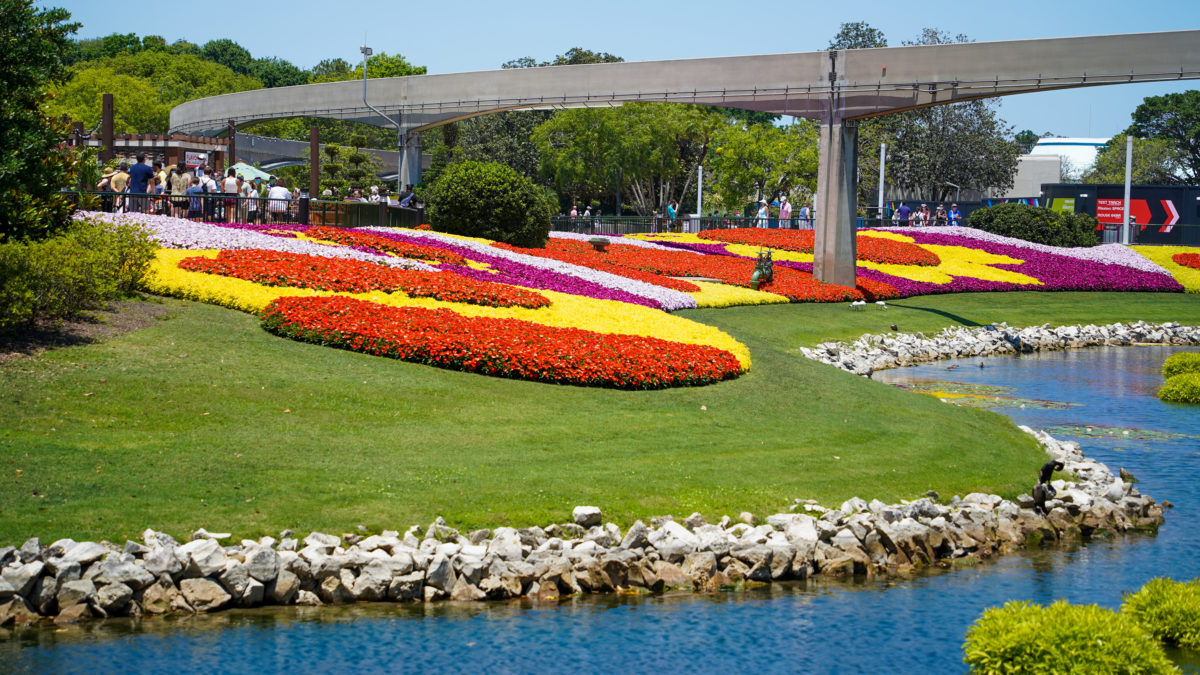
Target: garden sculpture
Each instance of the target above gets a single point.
(1044, 491)
(764, 270)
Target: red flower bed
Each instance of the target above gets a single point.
(795, 285)
(876, 290)
(276, 268)
(582, 254)
(1187, 260)
(402, 249)
(873, 249)
(500, 347)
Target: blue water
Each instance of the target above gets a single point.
(879, 626)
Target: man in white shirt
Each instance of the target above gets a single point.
(277, 201)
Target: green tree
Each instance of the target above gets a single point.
(33, 165)
(764, 160)
(1156, 161)
(145, 86)
(1026, 139)
(575, 56)
(857, 35)
(490, 200)
(962, 143)
(276, 72)
(1174, 118)
(229, 54)
(330, 70)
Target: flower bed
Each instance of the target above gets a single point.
(1191, 260)
(277, 268)
(384, 245)
(1164, 256)
(873, 249)
(499, 347)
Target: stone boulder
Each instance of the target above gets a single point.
(112, 599)
(587, 516)
(204, 595)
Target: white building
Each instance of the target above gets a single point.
(1078, 154)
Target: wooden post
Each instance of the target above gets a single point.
(232, 142)
(106, 128)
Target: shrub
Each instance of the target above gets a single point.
(90, 263)
(1168, 610)
(1037, 224)
(489, 200)
(1183, 388)
(1183, 362)
(1022, 637)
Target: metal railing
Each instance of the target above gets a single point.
(225, 208)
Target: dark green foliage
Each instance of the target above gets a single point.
(1022, 637)
(33, 167)
(88, 264)
(1037, 224)
(485, 199)
(1181, 389)
(1168, 610)
(1174, 118)
(1183, 362)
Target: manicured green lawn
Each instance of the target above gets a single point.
(206, 420)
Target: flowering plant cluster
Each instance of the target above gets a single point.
(278, 268)
(1165, 256)
(795, 285)
(499, 347)
(1191, 260)
(873, 249)
(371, 241)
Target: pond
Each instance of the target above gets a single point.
(1103, 398)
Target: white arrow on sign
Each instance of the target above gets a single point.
(1173, 214)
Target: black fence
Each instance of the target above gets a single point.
(223, 208)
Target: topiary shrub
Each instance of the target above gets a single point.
(1037, 224)
(1183, 362)
(489, 200)
(1022, 637)
(1168, 610)
(1183, 388)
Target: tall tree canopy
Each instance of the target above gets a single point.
(1156, 161)
(1174, 118)
(857, 35)
(33, 166)
(764, 161)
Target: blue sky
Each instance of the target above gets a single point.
(455, 36)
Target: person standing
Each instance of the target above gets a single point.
(140, 175)
(250, 192)
(939, 216)
(785, 212)
(900, 217)
(806, 216)
(230, 188)
(764, 212)
(954, 215)
(671, 215)
(277, 201)
(195, 199)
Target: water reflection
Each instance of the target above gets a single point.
(822, 626)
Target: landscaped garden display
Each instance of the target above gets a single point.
(574, 313)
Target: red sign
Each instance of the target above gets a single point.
(1113, 210)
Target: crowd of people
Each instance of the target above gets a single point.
(199, 193)
(904, 216)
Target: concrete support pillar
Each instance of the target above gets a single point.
(410, 159)
(837, 204)
(314, 163)
(106, 128)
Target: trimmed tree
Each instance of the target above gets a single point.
(489, 200)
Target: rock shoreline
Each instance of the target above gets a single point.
(873, 352)
(68, 581)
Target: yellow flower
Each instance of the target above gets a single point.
(1188, 277)
(723, 295)
(573, 311)
(957, 261)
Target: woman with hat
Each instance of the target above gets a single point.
(105, 186)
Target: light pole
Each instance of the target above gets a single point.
(366, 52)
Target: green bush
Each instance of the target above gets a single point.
(1183, 388)
(88, 264)
(1037, 224)
(1183, 362)
(1168, 610)
(1022, 637)
(489, 200)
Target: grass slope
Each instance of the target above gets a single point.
(206, 420)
